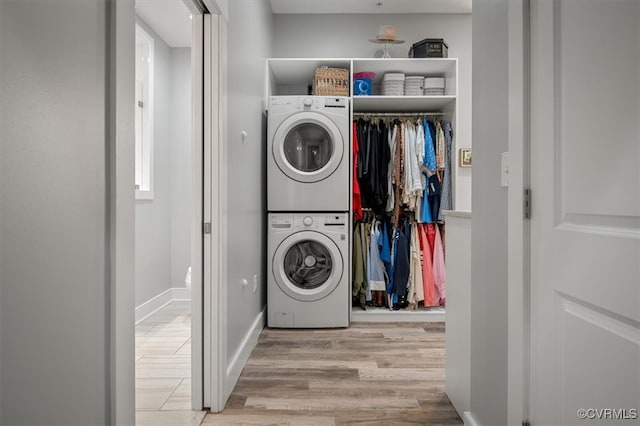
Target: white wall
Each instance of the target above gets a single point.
(458, 336)
(54, 291)
(153, 217)
(181, 179)
(346, 36)
(489, 220)
(249, 44)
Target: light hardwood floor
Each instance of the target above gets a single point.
(369, 373)
(163, 368)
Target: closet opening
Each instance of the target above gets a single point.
(168, 176)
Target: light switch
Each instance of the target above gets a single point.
(504, 170)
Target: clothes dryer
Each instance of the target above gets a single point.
(308, 153)
(308, 278)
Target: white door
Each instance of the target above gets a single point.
(585, 228)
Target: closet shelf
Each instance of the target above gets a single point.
(402, 103)
(446, 67)
(301, 70)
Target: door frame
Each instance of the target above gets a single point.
(518, 236)
(214, 330)
(197, 147)
(121, 226)
(121, 196)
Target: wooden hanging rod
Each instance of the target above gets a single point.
(396, 114)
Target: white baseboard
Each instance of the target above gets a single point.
(385, 315)
(180, 293)
(160, 301)
(469, 420)
(239, 359)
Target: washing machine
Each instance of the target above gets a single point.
(308, 153)
(307, 277)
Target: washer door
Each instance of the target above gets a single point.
(307, 266)
(308, 147)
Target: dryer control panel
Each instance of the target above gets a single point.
(333, 221)
(337, 221)
(279, 104)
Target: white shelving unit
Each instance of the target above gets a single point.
(293, 76)
(401, 103)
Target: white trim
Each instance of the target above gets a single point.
(518, 236)
(208, 286)
(240, 358)
(174, 294)
(385, 315)
(180, 294)
(469, 420)
(214, 212)
(197, 148)
(218, 7)
(219, 207)
(121, 214)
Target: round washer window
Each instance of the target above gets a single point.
(308, 147)
(308, 264)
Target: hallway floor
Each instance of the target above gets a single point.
(369, 373)
(163, 368)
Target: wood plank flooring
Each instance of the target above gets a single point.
(369, 374)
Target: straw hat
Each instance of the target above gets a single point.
(386, 33)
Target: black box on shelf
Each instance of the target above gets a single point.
(429, 48)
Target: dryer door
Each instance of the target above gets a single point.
(307, 266)
(308, 147)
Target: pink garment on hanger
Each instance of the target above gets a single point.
(439, 272)
(431, 235)
(428, 282)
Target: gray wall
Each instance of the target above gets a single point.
(163, 225)
(249, 44)
(54, 325)
(181, 179)
(347, 36)
(489, 220)
(153, 217)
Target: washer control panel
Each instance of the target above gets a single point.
(333, 221)
(281, 221)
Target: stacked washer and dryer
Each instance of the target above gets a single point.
(308, 198)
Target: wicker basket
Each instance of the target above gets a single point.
(331, 82)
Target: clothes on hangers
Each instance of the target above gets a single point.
(446, 202)
(373, 163)
(392, 136)
(377, 280)
(398, 172)
(404, 164)
(407, 265)
(356, 198)
(359, 279)
(416, 285)
(439, 272)
(428, 280)
(403, 169)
